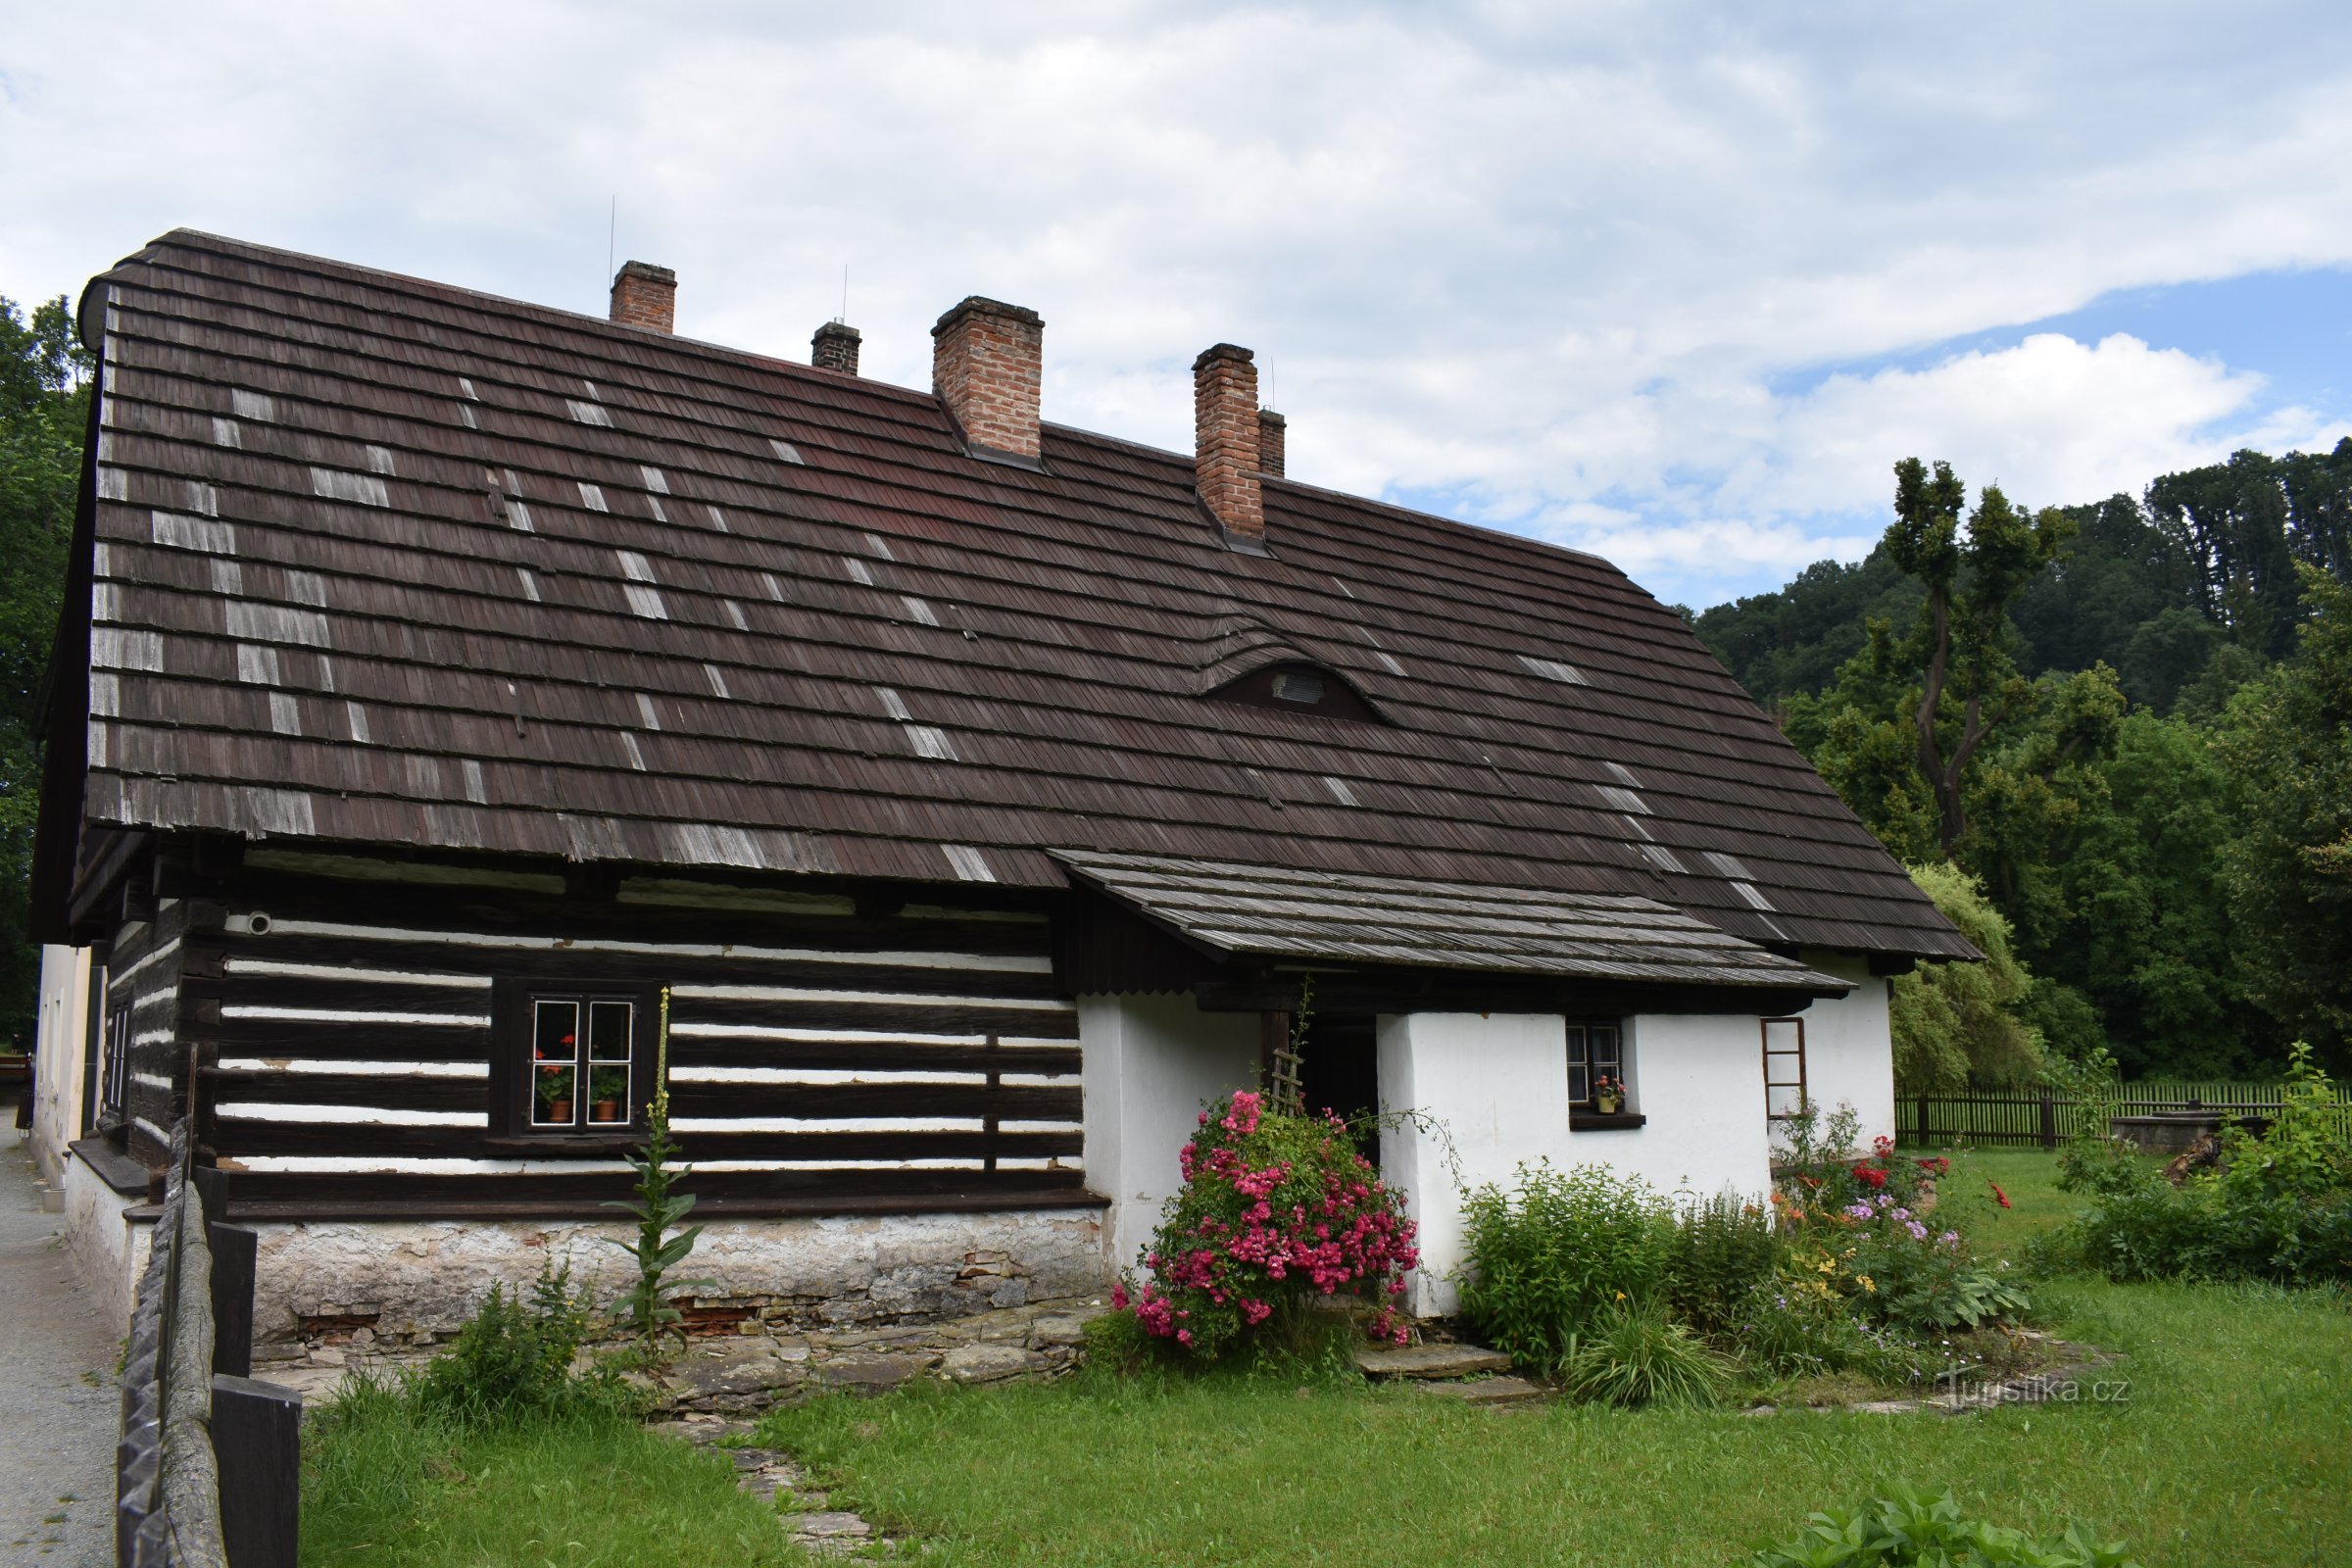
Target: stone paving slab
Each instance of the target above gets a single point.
(1430, 1361)
(1485, 1393)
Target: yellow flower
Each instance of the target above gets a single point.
(1829, 1265)
(1864, 1281)
(1621, 1296)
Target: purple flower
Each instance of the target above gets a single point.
(1919, 1231)
(1949, 1238)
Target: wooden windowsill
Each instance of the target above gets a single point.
(1593, 1121)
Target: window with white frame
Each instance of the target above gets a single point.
(1595, 1064)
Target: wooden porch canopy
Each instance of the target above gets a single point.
(1270, 917)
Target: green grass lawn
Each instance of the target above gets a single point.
(2230, 1445)
(394, 1490)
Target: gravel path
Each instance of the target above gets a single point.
(58, 1404)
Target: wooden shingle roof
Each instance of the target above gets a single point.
(384, 561)
(1270, 911)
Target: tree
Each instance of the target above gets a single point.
(1955, 1024)
(2288, 736)
(1961, 643)
(44, 408)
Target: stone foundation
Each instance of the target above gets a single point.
(354, 1284)
(757, 1365)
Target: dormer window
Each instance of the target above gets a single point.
(1298, 688)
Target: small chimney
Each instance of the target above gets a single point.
(1225, 428)
(987, 361)
(835, 348)
(645, 295)
(1271, 428)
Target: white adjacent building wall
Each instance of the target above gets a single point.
(1488, 1091)
(61, 1044)
(1849, 1055)
(1152, 1061)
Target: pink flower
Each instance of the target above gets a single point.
(1118, 1296)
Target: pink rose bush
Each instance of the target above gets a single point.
(1274, 1208)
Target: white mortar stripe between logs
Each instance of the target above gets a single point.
(880, 1077)
(423, 1166)
(1001, 962)
(351, 1115)
(124, 976)
(824, 1124)
(757, 1031)
(333, 971)
(452, 1020)
(907, 999)
(298, 1065)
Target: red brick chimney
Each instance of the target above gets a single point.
(1225, 428)
(987, 361)
(1272, 429)
(835, 348)
(645, 295)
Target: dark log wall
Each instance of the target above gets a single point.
(818, 1063)
(143, 975)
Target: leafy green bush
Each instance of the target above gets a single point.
(2280, 1207)
(513, 1359)
(1635, 1355)
(1549, 1256)
(1922, 1281)
(1911, 1528)
(1794, 1328)
(1717, 1253)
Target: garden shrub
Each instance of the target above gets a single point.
(1911, 1528)
(1276, 1211)
(1634, 1354)
(1717, 1253)
(515, 1357)
(2280, 1208)
(1798, 1325)
(1548, 1257)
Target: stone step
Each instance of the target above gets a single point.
(1485, 1393)
(1430, 1361)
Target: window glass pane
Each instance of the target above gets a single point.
(608, 1031)
(555, 1059)
(1580, 1066)
(555, 1031)
(1606, 1057)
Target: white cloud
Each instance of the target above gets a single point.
(1538, 259)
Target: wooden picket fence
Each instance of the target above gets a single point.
(207, 1470)
(2042, 1119)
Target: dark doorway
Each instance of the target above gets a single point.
(1340, 1070)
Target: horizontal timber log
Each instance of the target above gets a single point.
(719, 1194)
(343, 1139)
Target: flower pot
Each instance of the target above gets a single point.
(1606, 1104)
(604, 1111)
(559, 1110)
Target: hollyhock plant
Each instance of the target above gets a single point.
(1274, 1210)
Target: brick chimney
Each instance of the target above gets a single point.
(1225, 428)
(987, 360)
(645, 295)
(1272, 427)
(835, 348)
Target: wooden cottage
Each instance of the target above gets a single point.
(442, 677)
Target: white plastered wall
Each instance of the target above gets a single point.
(1491, 1090)
(1699, 1080)
(1849, 1056)
(109, 1251)
(61, 1039)
(1150, 1063)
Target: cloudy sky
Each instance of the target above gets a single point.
(1676, 283)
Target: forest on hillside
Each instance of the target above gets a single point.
(2114, 741)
